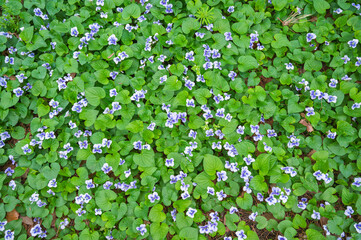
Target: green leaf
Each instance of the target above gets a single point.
(38, 88)
(190, 24)
(176, 69)
(328, 195)
(18, 133)
(86, 235)
(279, 4)
(286, 124)
(182, 205)
(145, 159)
(27, 34)
(94, 94)
(43, 110)
(89, 115)
(102, 76)
(313, 234)
(156, 214)
(320, 155)
(132, 10)
(347, 196)
(201, 95)
(51, 173)
(321, 6)
(195, 122)
(159, 231)
(299, 221)
(258, 183)
(247, 63)
(246, 202)
(104, 198)
(211, 164)
(189, 233)
(104, 121)
(172, 84)
(262, 222)
(240, 27)
(135, 126)
(281, 40)
(312, 65)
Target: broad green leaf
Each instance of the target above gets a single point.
(104, 198)
(211, 164)
(321, 6)
(190, 24)
(156, 214)
(246, 63)
(27, 34)
(94, 94)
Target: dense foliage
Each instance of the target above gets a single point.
(217, 119)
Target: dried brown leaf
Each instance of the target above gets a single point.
(27, 220)
(307, 124)
(13, 215)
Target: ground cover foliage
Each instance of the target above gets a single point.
(215, 119)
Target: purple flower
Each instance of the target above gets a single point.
(74, 32)
(310, 111)
(169, 162)
(249, 159)
(241, 235)
(333, 83)
(316, 215)
(153, 197)
(200, 35)
(357, 182)
(331, 135)
(253, 216)
(221, 176)
(208, 65)
(358, 63)
(349, 211)
(190, 212)
(310, 37)
(254, 129)
(142, 229)
(302, 205)
(192, 134)
(332, 99)
(52, 183)
(271, 200)
(18, 92)
(228, 36)
(210, 190)
(353, 43)
(271, 133)
(357, 6)
(106, 168)
(221, 195)
(245, 173)
(26, 149)
(89, 184)
(189, 56)
(9, 171)
(190, 103)
(137, 145)
(168, 8)
(289, 66)
(230, 9)
(358, 227)
(36, 230)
